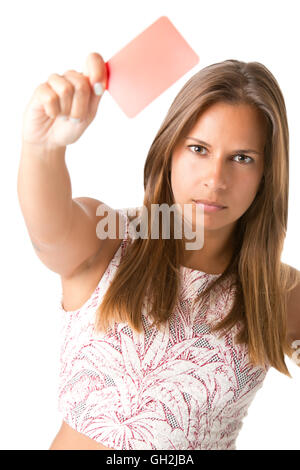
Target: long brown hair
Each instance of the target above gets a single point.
(150, 268)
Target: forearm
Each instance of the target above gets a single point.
(45, 193)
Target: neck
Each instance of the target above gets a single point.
(214, 256)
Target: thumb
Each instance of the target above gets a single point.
(96, 70)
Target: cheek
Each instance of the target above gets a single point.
(179, 178)
(244, 192)
(176, 185)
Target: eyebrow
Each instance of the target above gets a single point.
(238, 150)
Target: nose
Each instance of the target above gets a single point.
(214, 178)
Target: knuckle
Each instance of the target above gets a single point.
(82, 87)
(52, 76)
(43, 87)
(51, 97)
(67, 89)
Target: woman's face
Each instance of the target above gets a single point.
(218, 170)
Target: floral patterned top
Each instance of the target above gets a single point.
(181, 387)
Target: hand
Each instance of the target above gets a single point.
(63, 107)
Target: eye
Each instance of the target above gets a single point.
(197, 146)
(250, 159)
(244, 156)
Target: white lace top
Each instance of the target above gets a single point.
(181, 388)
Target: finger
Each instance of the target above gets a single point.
(81, 96)
(95, 69)
(46, 98)
(65, 91)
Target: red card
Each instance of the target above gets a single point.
(148, 65)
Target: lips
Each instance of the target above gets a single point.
(208, 203)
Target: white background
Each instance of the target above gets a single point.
(43, 37)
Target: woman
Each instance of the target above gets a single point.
(165, 347)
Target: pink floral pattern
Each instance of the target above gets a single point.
(180, 387)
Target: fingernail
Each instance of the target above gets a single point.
(98, 89)
(64, 118)
(75, 120)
